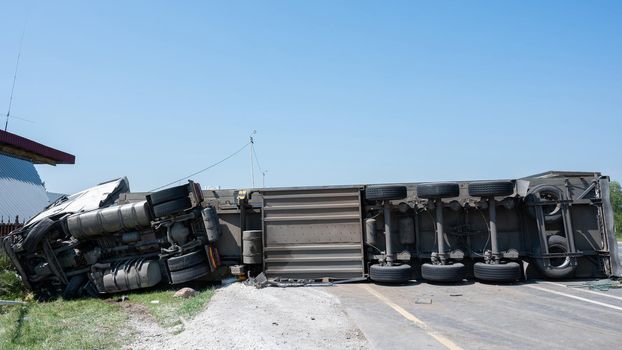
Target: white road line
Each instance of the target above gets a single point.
(583, 290)
(407, 315)
(575, 297)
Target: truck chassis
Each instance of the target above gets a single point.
(554, 225)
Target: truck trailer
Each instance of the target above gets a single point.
(107, 239)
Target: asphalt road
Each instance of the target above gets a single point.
(537, 314)
(475, 315)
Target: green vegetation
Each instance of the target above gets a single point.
(90, 323)
(616, 203)
(80, 324)
(10, 283)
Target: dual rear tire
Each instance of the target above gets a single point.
(188, 267)
(169, 201)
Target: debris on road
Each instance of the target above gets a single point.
(423, 301)
(602, 285)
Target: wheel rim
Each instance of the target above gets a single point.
(559, 263)
(550, 209)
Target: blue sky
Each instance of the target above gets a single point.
(339, 92)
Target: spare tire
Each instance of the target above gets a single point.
(558, 267)
(171, 207)
(502, 272)
(168, 194)
(438, 190)
(443, 273)
(390, 274)
(383, 193)
(491, 188)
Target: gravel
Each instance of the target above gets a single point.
(243, 317)
(142, 328)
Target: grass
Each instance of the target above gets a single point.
(10, 284)
(80, 324)
(89, 323)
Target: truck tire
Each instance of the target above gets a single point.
(552, 212)
(189, 274)
(438, 190)
(390, 274)
(491, 188)
(171, 207)
(382, 193)
(443, 273)
(36, 234)
(168, 194)
(559, 267)
(187, 260)
(502, 272)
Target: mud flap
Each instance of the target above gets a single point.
(212, 257)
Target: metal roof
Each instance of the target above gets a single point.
(24, 148)
(21, 190)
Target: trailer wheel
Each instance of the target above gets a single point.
(438, 190)
(168, 194)
(552, 212)
(383, 193)
(189, 274)
(390, 274)
(502, 272)
(559, 267)
(443, 273)
(171, 207)
(187, 260)
(491, 188)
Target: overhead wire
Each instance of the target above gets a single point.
(204, 169)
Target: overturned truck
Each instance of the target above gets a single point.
(106, 239)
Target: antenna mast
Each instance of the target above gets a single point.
(19, 55)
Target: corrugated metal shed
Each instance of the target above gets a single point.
(21, 190)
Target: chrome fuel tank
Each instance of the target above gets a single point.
(109, 220)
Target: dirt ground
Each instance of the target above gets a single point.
(243, 317)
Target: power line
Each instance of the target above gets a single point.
(252, 163)
(205, 169)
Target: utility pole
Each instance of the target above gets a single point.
(252, 163)
(263, 180)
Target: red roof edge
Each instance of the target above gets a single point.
(35, 149)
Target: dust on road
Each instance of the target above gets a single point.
(242, 317)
